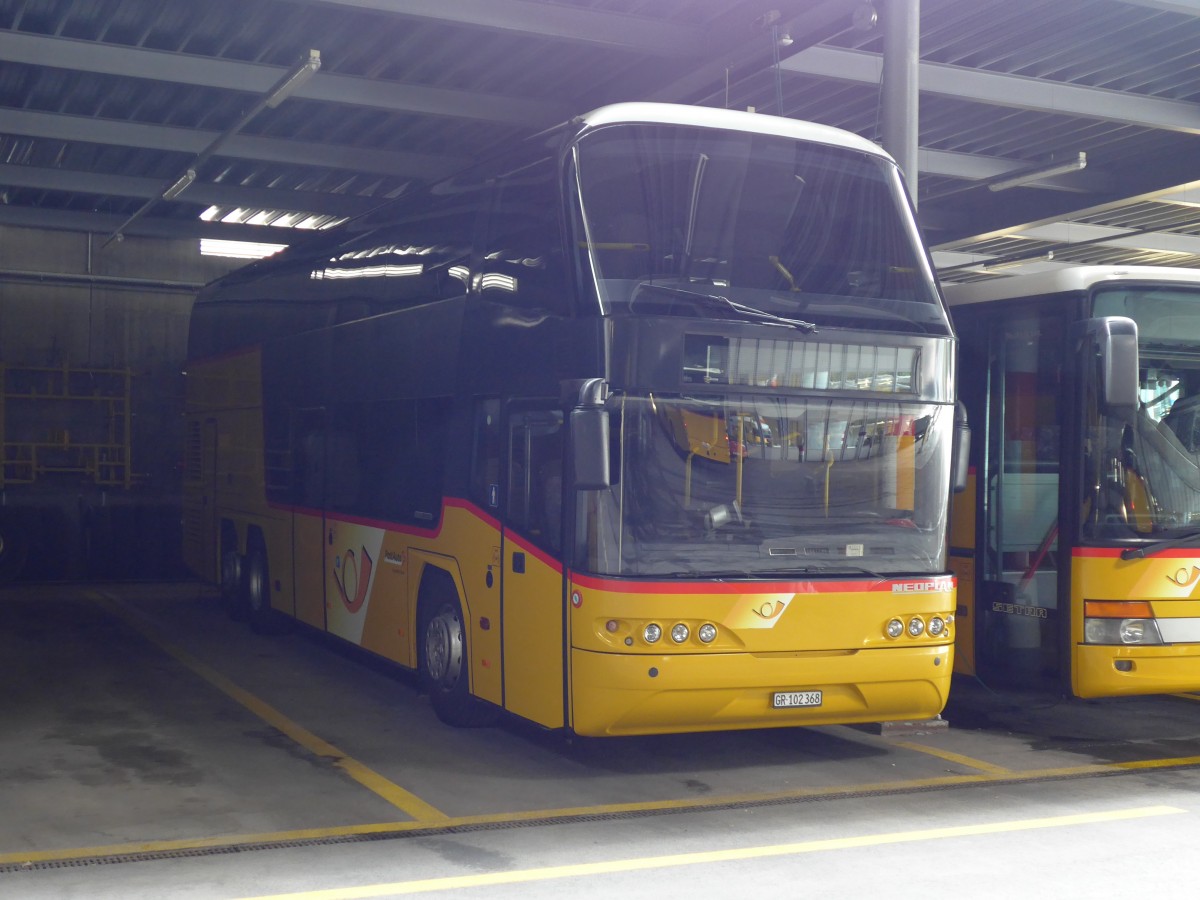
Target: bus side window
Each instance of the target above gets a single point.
(485, 462)
(522, 260)
(535, 476)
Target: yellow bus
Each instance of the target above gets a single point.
(463, 432)
(1078, 545)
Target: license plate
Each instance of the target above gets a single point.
(789, 699)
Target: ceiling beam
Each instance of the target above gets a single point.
(748, 47)
(545, 20)
(975, 167)
(232, 75)
(1015, 91)
(1185, 7)
(204, 193)
(1169, 181)
(54, 126)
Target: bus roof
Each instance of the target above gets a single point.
(730, 119)
(1059, 281)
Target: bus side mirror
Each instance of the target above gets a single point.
(1115, 340)
(960, 449)
(589, 438)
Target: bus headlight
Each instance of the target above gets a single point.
(916, 626)
(707, 633)
(1121, 632)
(937, 625)
(895, 628)
(1123, 623)
(651, 633)
(679, 633)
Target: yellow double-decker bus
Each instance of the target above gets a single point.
(646, 425)
(1078, 545)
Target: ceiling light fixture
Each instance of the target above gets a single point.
(1008, 262)
(1039, 173)
(291, 82)
(282, 89)
(180, 186)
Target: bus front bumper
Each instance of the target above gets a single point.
(1107, 671)
(616, 694)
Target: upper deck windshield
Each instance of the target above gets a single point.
(672, 217)
(1143, 476)
(750, 485)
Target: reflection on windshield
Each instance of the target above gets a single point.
(1143, 469)
(766, 486)
(805, 231)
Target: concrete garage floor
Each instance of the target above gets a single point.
(151, 747)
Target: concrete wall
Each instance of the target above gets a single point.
(67, 300)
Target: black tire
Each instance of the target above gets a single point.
(233, 597)
(443, 664)
(256, 589)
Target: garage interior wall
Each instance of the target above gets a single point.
(70, 305)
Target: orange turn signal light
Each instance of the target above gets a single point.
(1117, 609)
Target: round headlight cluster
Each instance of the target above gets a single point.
(937, 626)
(680, 633)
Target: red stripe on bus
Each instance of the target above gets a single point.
(703, 586)
(1115, 553)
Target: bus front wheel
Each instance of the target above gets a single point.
(443, 667)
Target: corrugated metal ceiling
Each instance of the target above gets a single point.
(105, 103)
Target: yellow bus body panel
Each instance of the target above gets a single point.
(775, 638)
(1170, 582)
(533, 635)
(361, 579)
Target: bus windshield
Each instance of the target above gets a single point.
(802, 230)
(1144, 471)
(751, 485)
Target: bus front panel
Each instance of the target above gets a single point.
(653, 657)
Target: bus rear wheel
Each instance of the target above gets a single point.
(443, 667)
(256, 579)
(232, 596)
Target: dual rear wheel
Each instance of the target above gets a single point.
(246, 587)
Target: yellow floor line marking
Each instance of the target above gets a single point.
(1159, 763)
(438, 821)
(568, 813)
(368, 778)
(969, 762)
(1187, 696)
(525, 876)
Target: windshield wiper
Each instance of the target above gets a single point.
(842, 569)
(1184, 540)
(750, 312)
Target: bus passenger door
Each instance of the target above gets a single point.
(308, 517)
(532, 587)
(1018, 604)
